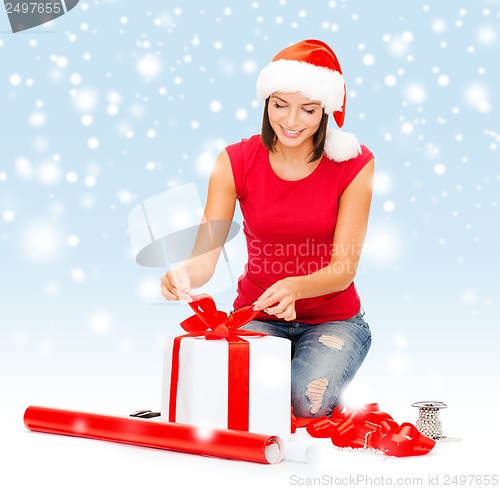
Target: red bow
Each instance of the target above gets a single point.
(370, 428)
(215, 325)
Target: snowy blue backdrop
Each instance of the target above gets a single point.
(118, 101)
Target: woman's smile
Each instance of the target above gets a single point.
(291, 134)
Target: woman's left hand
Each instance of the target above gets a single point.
(279, 300)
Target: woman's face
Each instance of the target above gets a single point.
(294, 118)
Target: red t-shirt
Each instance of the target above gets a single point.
(289, 227)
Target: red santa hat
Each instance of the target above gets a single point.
(311, 68)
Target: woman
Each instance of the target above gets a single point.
(305, 194)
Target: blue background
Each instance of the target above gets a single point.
(114, 103)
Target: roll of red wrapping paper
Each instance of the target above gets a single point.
(231, 444)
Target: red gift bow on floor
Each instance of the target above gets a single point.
(214, 325)
(367, 428)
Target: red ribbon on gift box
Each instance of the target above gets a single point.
(368, 428)
(215, 325)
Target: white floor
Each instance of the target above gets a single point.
(30, 460)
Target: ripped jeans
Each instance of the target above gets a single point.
(325, 358)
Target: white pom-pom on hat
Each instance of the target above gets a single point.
(341, 145)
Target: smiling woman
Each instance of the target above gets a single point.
(297, 183)
(292, 119)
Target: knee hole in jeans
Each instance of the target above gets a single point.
(315, 392)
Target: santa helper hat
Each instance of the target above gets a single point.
(311, 68)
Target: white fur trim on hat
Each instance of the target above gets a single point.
(341, 146)
(314, 82)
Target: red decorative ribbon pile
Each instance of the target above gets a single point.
(368, 428)
(215, 325)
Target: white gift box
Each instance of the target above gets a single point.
(202, 388)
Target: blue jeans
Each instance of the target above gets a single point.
(325, 358)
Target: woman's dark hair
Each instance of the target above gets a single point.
(268, 135)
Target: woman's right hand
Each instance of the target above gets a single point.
(176, 285)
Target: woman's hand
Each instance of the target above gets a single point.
(176, 285)
(279, 299)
